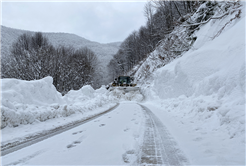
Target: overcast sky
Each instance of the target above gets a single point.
(102, 22)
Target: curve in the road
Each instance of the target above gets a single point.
(9, 148)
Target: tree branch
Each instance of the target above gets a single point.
(218, 17)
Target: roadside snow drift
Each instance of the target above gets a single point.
(26, 102)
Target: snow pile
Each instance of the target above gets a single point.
(24, 102)
(27, 102)
(94, 98)
(120, 95)
(87, 98)
(38, 92)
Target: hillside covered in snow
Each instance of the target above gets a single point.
(203, 89)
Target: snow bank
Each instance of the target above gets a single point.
(210, 78)
(38, 92)
(120, 95)
(87, 98)
(24, 102)
(217, 67)
(27, 102)
(205, 88)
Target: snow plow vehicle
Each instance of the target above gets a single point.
(124, 83)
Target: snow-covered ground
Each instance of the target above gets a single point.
(199, 97)
(104, 141)
(32, 107)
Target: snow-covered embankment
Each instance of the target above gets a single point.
(204, 92)
(27, 102)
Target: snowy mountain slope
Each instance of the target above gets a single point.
(204, 91)
(104, 51)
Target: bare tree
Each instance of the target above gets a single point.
(33, 57)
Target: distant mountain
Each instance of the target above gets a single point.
(116, 44)
(104, 52)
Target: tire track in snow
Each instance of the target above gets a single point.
(159, 148)
(11, 147)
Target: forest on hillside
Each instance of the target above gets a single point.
(159, 32)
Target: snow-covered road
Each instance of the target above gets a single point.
(131, 134)
(15, 145)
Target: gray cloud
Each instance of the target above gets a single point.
(97, 21)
